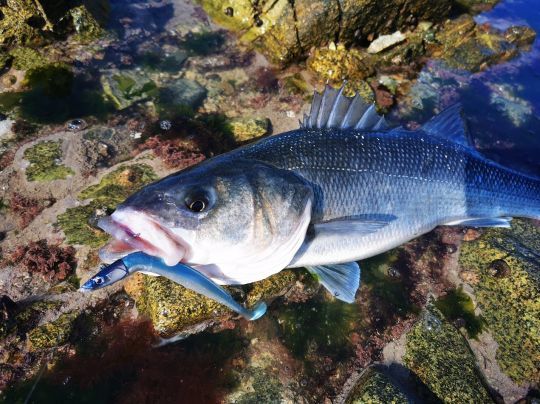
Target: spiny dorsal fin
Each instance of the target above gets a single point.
(449, 125)
(332, 109)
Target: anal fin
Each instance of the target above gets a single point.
(482, 222)
(341, 280)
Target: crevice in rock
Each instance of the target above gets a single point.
(298, 42)
(340, 22)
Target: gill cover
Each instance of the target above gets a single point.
(262, 235)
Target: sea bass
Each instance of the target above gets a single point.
(341, 188)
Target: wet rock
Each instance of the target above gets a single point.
(76, 124)
(510, 303)
(472, 47)
(110, 191)
(285, 31)
(375, 387)
(477, 5)
(384, 42)
(441, 358)
(52, 334)
(182, 93)
(25, 58)
(520, 35)
(174, 309)
(29, 22)
(85, 24)
(127, 87)
(45, 162)
(245, 129)
(336, 63)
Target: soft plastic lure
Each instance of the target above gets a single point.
(179, 273)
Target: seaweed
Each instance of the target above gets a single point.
(44, 166)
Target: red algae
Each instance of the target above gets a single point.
(53, 262)
(26, 208)
(173, 152)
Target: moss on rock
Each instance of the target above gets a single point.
(173, 308)
(374, 387)
(442, 359)
(337, 63)
(25, 58)
(244, 129)
(110, 191)
(510, 299)
(44, 160)
(52, 334)
(127, 87)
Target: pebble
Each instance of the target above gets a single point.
(386, 41)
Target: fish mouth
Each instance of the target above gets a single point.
(137, 231)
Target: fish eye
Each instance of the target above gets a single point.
(99, 280)
(198, 205)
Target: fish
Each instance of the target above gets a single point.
(179, 273)
(343, 187)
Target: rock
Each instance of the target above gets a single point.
(285, 31)
(468, 46)
(386, 41)
(509, 294)
(125, 88)
(245, 129)
(34, 22)
(45, 162)
(52, 334)
(27, 58)
(476, 5)
(439, 355)
(522, 36)
(182, 93)
(375, 387)
(174, 309)
(85, 24)
(110, 191)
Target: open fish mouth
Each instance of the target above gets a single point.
(136, 231)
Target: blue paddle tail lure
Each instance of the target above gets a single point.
(179, 273)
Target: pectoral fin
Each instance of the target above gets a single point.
(483, 222)
(341, 280)
(360, 224)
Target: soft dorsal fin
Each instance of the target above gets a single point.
(449, 125)
(332, 109)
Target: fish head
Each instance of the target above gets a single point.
(220, 211)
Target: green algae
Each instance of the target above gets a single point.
(113, 188)
(265, 389)
(247, 128)
(52, 334)
(44, 165)
(440, 356)
(173, 308)
(319, 325)
(374, 387)
(125, 88)
(456, 305)
(510, 304)
(381, 277)
(87, 28)
(25, 58)
(204, 43)
(170, 306)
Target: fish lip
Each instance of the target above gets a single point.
(121, 231)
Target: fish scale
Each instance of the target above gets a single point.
(427, 180)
